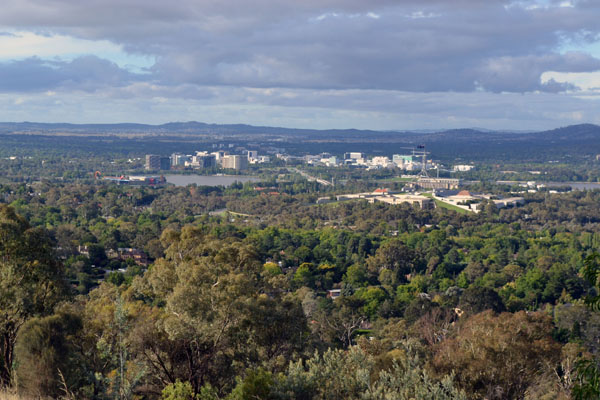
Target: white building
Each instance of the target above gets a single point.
(252, 155)
(179, 160)
(219, 156)
(402, 161)
(462, 168)
(384, 162)
(202, 159)
(234, 162)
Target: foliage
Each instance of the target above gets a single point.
(31, 281)
(234, 305)
(354, 374)
(179, 391)
(46, 358)
(588, 371)
(498, 356)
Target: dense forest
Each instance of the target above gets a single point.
(249, 294)
(254, 291)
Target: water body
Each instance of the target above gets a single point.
(209, 180)
(573, 185)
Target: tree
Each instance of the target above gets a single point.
(498, 356)
(255, 385)
(304, 275)
(476, 299)
(588, 370)
(213, 316)
(178, 391)
(31, 281)
(339, 323)
(109, 317)
(355, 374)
(46, 357)
(396, 257)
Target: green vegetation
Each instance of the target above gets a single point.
(442, 204)
(142, 293)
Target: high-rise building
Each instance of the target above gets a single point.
(165, 163)
(354, 156)
(157, 163)
(203, 160)
(234, 162)
(152, 162)
(400, 158)
(179, 160)
(219, 156)
(252, 155)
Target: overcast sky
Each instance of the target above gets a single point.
(379, 64)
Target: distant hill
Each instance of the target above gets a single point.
(561, 143)
(573, 132)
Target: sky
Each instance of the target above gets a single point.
(366, 64)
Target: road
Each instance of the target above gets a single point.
(312, 178)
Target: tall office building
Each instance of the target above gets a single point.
(157, 163)
(152, 162)
(234, 162)
(165, 163)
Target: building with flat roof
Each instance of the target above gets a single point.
(179, 160)
(354, 156)
(423, 202)
(462, 168)
(236, 162)
(438, 183)
(165, 163)
(203, 159)
(157, 163)
(152, 162)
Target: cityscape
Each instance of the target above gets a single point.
(301, 200)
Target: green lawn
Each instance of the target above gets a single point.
(398, 179)
(441, 204)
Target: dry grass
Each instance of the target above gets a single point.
(7, 394)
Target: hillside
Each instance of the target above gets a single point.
(576, 141)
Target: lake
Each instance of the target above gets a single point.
(574, 185)
(209, 180)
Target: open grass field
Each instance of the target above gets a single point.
(439, 203)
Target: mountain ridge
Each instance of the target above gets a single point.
(204, 128)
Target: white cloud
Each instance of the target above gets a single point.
(422, 14)
(326, 59)
(583, 80)
(26, 44)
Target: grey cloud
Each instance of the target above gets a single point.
(465, 45)
(524, 72)
(313, 108)
(86, 73)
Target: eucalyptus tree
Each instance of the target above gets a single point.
(31, 281)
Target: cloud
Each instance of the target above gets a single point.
(463, 45)
(308, 108)
(86, 73)
(326, 58)
(589, 81)
(525, 73)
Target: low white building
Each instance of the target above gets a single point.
(381, 161)
(462, 168)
